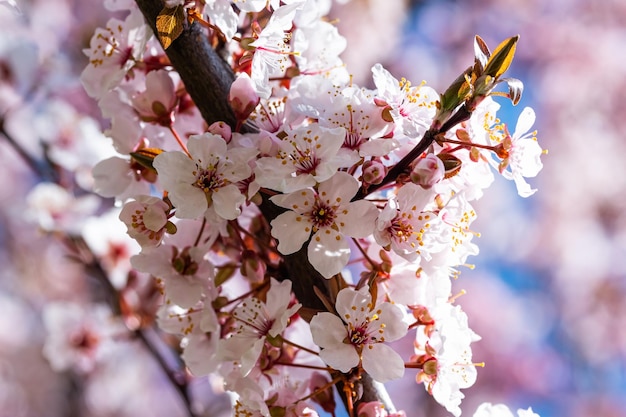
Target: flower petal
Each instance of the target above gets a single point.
(328, 252)
(382, 362)
(227, 201)
(190, 202)
(342, 357)
(358, 219)
(206, 147)
(292, 230)
(353, 305)
(327, 330)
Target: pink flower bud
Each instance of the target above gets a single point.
(222, 129)
(373, 172)
(242, 97)
(428, 171)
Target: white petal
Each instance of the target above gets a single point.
(227, 201)
(174, 167)
(359, 220)
(190, 202)
(199, 354)
(351, 304)
(524, 122)
(342, 357)
(328, 252)
(154, 218)
(292, 230)
(382, 362)
(249, 358)
(392, 316)
(328, 330)
(341, 186)
(206, 147)
(183, 291)
(299, 201)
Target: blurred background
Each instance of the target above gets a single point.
(549, 288)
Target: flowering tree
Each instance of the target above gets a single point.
(294, 223)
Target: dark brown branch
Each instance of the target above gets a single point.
(205, 74)
(207, 79)
(401, 167)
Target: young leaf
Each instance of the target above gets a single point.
(481, 51)
(169, 24)
(502, 57)
(515, 89)
(145, 156)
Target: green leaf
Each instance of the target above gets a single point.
(502, 57)
(451, 164)
(456, 93)
(145, 157)
(224, 273)
(169, 24)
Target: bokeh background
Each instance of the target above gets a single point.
(549, 288)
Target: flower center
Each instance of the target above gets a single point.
(208, 179)
(306, 161)
(322, 215)
(358, 336)
(401, 230)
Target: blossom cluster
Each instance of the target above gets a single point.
(347, 192)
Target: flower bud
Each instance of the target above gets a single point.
(242, 97)
(373, 172)
(222, 129)
(428, 171)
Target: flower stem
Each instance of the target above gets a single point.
(289, 342)
(179, 140)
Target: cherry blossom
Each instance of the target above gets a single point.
(78, 337)
(376, 409)
(307, 155)
(185, 274)
(54, 208)
(408, 227)
(272, 50)
(145, 219)
(412, 108)
(501, 410)
(113, 51)
(357, 335)
(157, 103)
(214, 221)
(521, 154)
(354, 109)
(329, 216)
(256, 320)
(207, 179)
(444, 351)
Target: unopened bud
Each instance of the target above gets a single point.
(242, 97)
(373, 172)
(428, 171)
(222, 129)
